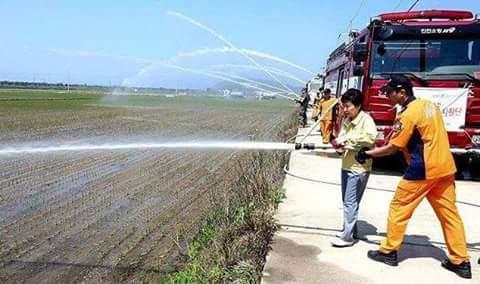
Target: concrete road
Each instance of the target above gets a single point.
(311, 215)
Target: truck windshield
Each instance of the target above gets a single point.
(427, 58)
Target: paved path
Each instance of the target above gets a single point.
(311, 215)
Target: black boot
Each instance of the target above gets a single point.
(387, 258)
(463, 269)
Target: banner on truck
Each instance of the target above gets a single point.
(452, 103)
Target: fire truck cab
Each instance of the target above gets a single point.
(439, 51)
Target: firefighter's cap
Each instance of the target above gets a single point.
(396, 83)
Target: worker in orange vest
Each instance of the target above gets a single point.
(419, 131)
(326, 115)
(316, 106)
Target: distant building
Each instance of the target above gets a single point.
(265, 95)
(234, 94)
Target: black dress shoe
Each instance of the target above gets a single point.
(463, 269)
(387, 258)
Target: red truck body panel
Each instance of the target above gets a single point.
(431, 29)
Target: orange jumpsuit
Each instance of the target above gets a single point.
(316, 108)
(326, 117)
(420, 132)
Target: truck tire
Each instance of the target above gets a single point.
(475, 167)
(461, 162)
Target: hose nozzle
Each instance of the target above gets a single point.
(306, 146)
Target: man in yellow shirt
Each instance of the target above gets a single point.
(419, 131)
(326, 115)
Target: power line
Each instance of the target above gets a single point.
(350, 22)
(357, 12)
(413, 5)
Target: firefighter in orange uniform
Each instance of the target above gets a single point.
(420, 132)
(316, 106)
(326, 115)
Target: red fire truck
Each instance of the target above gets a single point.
(439, 51)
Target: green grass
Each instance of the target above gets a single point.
(53, 100)
(200, 103)
(229, 247)
(233, 244)
(14, 101)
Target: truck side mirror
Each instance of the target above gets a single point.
(381, 50)
(358, 70)
(385, 33)
(360, 52)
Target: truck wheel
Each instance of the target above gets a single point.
(475, 167)
(461, 162)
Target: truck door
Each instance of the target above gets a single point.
(341, 78)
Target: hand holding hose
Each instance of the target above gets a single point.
(362, 155)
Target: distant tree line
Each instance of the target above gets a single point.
(35, 85)
(63, 86)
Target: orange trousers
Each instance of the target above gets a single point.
(326, 129)
(440, 193)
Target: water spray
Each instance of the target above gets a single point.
(152, 63)
(199, 145)
(285, 96)
(255, 53)
(211, 75)
(220, 37)
(280, 93)
(276, 71)
(143, 146)
(248, 80)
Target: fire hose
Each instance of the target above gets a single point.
(328, 150)
(379, 189)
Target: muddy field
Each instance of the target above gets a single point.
(109, 215)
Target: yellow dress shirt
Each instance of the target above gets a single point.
(355, 134)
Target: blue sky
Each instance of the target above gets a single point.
(112, 42)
